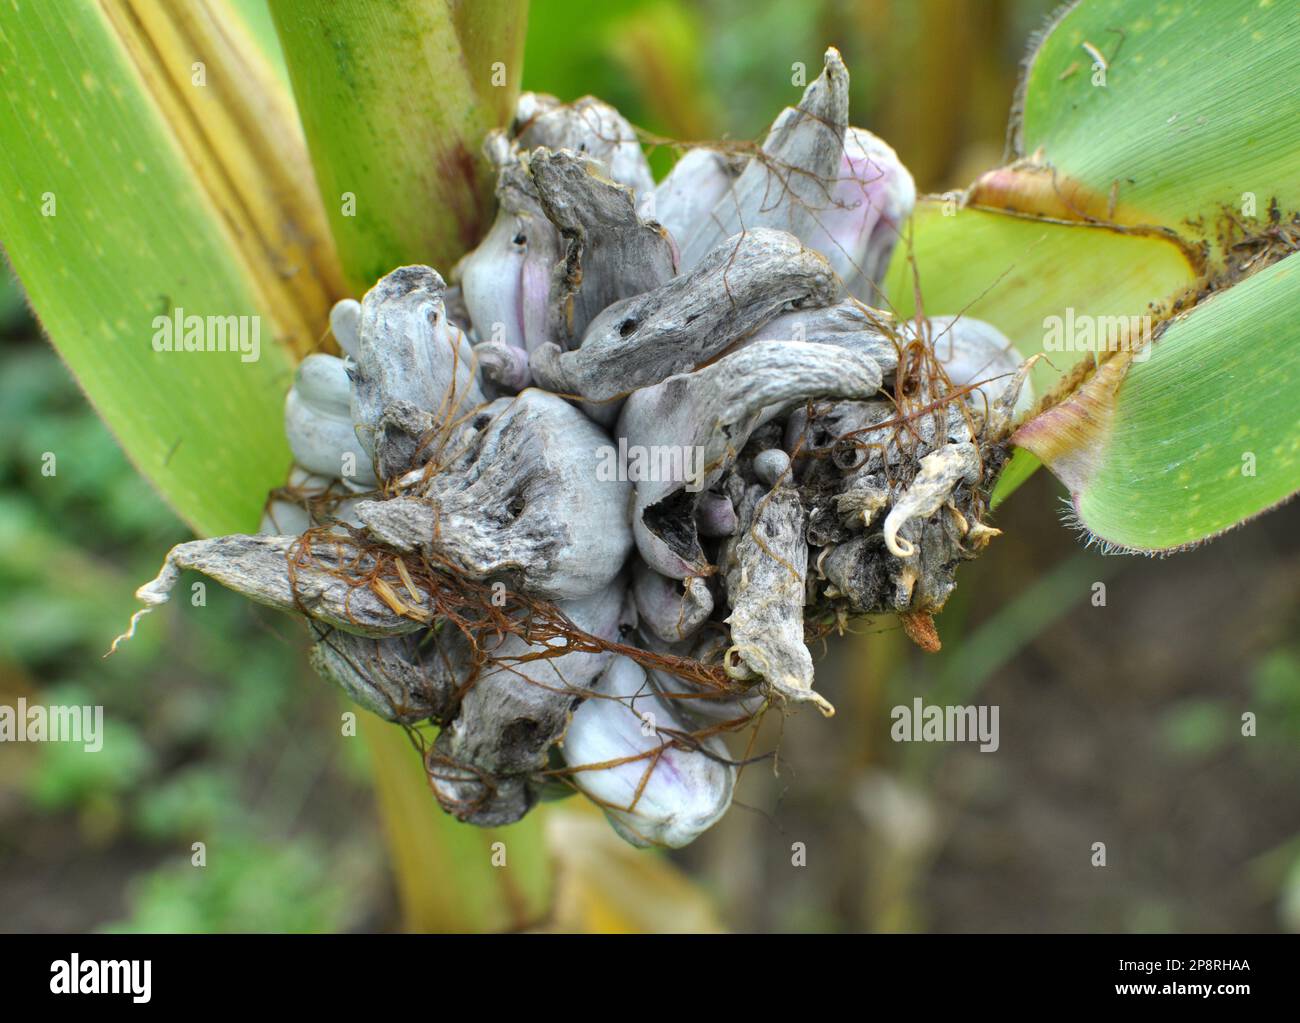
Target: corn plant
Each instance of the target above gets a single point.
(852, 366)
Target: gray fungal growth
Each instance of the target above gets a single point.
(515, 711)
(767, 569)
(518, 499)
(414, 369)
(318, 421)
(692, 188)
(713, 411)
(609, 252)
(285, 573)
(594, 505)
(588, 126)
(642, 340)
(672, 610)
(635, 758)
(790, 180)
(406, 679)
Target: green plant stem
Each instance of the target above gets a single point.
(396, 97)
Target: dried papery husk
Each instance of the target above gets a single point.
(714, 410)
(629, 751)
(638, 342)
(520, 500)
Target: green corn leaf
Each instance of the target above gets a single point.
(396, 97)
(1180, 116)
(1197, 433)
(489, 32)
(1184, 140)
(12, 306)
(127, 197)
(1020, 467)
(1018, 273)
(1175, 128)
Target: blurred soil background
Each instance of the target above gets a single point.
(1120, 724)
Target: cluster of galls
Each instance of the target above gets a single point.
(841, 459)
